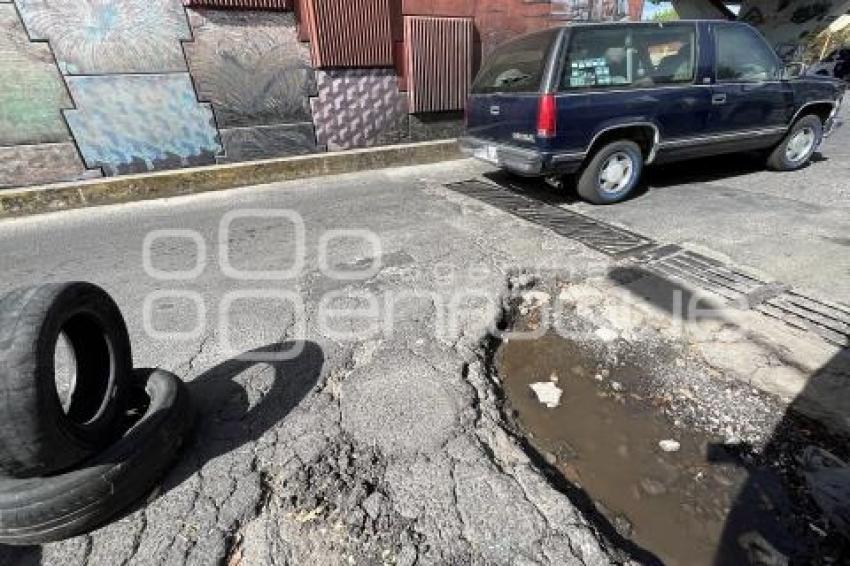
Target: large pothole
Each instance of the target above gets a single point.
(691, 468)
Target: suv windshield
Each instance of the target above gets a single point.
(516, 66)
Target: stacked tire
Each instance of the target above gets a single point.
(79, 448)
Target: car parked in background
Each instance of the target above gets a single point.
(604, 100)
(836, 64)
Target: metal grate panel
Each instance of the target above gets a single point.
(711, 275)
(439, 62)
(608, 239)
(827, 319)
(278, 5)
(348, 33)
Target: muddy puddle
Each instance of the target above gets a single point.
(690, 502)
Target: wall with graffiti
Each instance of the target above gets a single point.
(113, 87)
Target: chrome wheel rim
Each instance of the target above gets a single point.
(616, 173)
(801, 144)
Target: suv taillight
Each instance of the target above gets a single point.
(547, 117)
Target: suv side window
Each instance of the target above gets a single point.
(743, 56)
(630, 56)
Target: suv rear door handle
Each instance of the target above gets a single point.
(718, 99)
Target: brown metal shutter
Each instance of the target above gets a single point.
(439, 62)
(241, 4)
(349, 33)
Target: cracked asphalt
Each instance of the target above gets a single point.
(372, 443)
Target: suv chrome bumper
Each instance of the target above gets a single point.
(522, 161)
(831, 125)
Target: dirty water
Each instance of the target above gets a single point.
(691, 504)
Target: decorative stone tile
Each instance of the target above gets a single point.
(264, 142)
(355, 108)
(251, 67)
(43, 163)
(110, 36)
(137, 123)
(32, 93)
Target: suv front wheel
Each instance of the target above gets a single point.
(612, 174)
(798, 146)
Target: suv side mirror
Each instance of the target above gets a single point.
(793, 70)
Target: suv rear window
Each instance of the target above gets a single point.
(517, 66)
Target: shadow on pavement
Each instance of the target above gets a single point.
(774, 520)
(660, 176)
(20, 555)
(535, 187)
(240, 399)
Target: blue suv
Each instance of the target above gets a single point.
(604, 100)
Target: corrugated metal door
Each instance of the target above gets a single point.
(439, 62)
(241, 4)
(349, 33)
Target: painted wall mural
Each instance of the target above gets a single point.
(137, 123)
(32, 94)
(35, 144)
(110, 36)
(42, 163)
(256, 74)
(787, 22)
(354, 108)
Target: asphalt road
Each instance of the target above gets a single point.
(377, 442)
(792, 227)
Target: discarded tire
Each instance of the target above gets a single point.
(40, 431)
(41, 510)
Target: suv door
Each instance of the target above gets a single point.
(643, 74)
(750, 101)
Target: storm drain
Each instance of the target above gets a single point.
(829, 320)
(711, 275)
(600, 236)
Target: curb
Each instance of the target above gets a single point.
(97, 192)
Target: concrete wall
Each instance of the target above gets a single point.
(110, 87)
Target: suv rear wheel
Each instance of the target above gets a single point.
(612, 174)
(798, 146)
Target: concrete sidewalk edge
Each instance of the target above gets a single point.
(65, 196)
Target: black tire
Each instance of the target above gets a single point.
(588, 182)
(42, 510)
(38, 436)
(779, 160)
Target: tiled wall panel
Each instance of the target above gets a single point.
(32, 93)
(262, 142)
(251, 67)
(439, 62)
(41, 163)
(357, 108)
(110, 36)
(136, 123)
(241, 4)
(349, 33)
